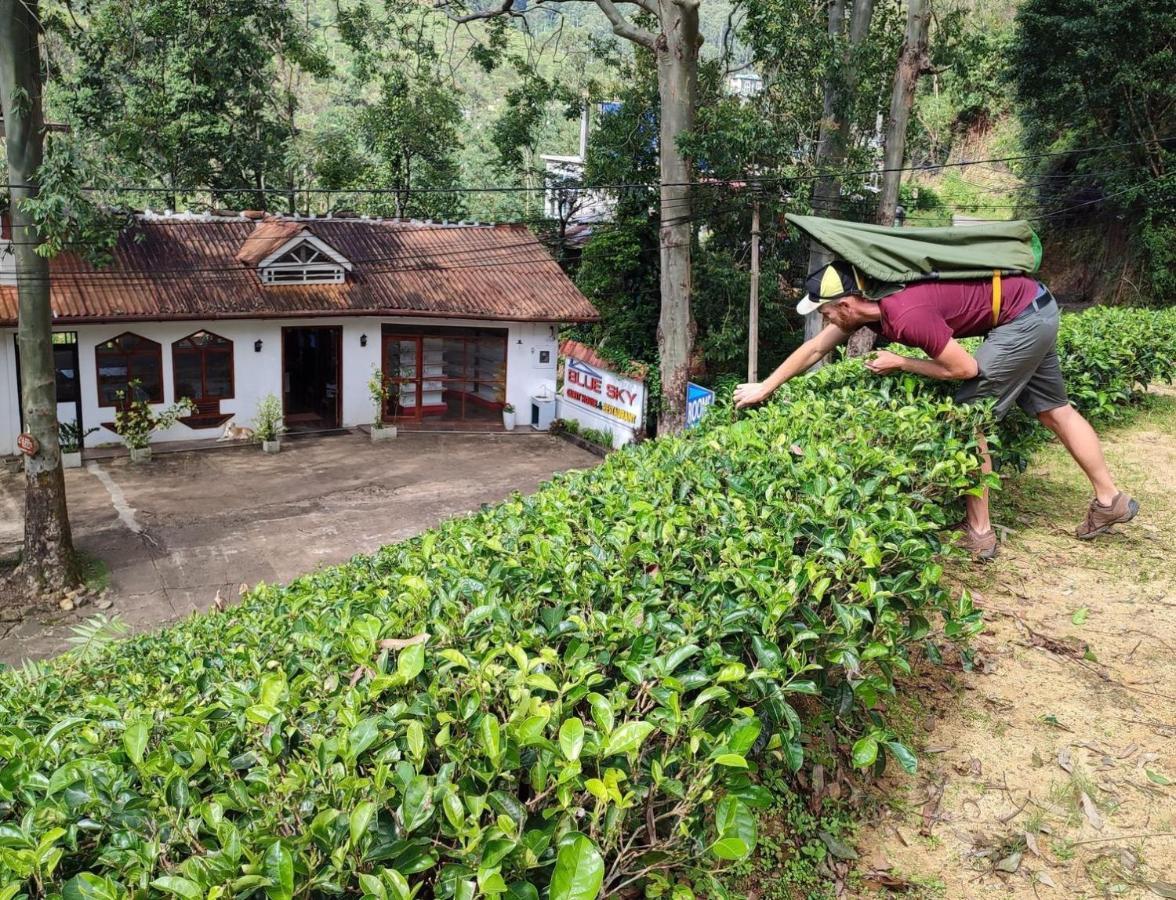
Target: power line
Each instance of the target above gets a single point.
(743, 181)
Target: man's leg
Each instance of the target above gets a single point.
(1080, 439)
(977, 506)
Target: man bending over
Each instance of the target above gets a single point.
(1016, 363)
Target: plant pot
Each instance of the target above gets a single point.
(140, 455)
(383, 432)
(71, 460)
(271, 446)
(508, 420)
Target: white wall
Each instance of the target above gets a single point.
(9, 401)
(257, 374)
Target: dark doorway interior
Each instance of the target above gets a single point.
(65, 366)
(311, 377)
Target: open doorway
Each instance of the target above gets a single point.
(312, 377)
(69, 394)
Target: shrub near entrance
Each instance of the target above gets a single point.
(562, 694)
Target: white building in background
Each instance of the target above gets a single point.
(225, 309)
(744, 84)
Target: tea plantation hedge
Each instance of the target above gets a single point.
(562, 696)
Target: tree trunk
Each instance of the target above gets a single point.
(48, 563)
(836, 123)
(826, 188)
(677, 77)
(912, 61)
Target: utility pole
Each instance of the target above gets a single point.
(753, 314)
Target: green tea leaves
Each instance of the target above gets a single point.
(579, 870)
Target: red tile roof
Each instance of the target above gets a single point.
(187, 267)
(584, 353)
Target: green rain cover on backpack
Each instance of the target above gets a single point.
(902, 255)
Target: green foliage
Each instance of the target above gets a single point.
(66, 211)
(268, 424)
(503, 704)
(187, 94)
(378, 391)
(969, 93)
(682, 600)
(404, 142)
(135, 420)
(1097, 73)
(70, 436)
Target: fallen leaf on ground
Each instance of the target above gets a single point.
(1163, 888)
(879, 880)
(836, 847)
(1010, 863)
(1157, 777)
(1092, 814)
(1080, 615)
(1064, 759)
(1031, 843)
(1043, 877)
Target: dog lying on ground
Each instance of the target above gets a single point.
(236, 433)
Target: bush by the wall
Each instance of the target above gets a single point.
(560, 696)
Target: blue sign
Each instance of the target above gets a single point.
(698, 399)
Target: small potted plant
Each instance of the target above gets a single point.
(70, 437)
(135, 420)
(268, 426)
(378, 390)
(508, 416)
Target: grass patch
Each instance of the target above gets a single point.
(94, 571)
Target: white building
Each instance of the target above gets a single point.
(461, 319)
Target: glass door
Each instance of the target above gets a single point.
(402, 363)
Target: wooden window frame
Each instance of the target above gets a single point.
(203, 352)
(126, 356)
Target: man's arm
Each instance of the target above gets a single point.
(801, 360)
(954, 363)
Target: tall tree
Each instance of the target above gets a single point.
(186, 93)
(913, 61)
(841, 82)
(48, 562)
(1095, 77)
(669, 29)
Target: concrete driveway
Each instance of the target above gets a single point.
(188, 524)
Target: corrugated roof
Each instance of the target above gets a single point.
(584, 353)
(188, 267)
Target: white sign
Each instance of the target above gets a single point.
(606, 394)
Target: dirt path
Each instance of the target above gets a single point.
(1049, 769)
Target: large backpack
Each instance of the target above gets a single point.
(896, 257)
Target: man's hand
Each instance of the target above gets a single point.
(884, 362)
(750, 394)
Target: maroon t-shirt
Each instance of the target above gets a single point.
(928, 314)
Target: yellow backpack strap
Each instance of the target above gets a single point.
(995, 297)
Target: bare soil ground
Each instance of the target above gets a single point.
(1048, 766)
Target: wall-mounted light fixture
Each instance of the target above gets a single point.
(257, 346)
(363, 340)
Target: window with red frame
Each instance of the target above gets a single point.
(203, 367)
(126, 358)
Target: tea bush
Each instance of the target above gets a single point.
(560, 696)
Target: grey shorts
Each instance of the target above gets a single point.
(1018, 363)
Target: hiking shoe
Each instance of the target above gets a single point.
(981, 544)
(1100, 518)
